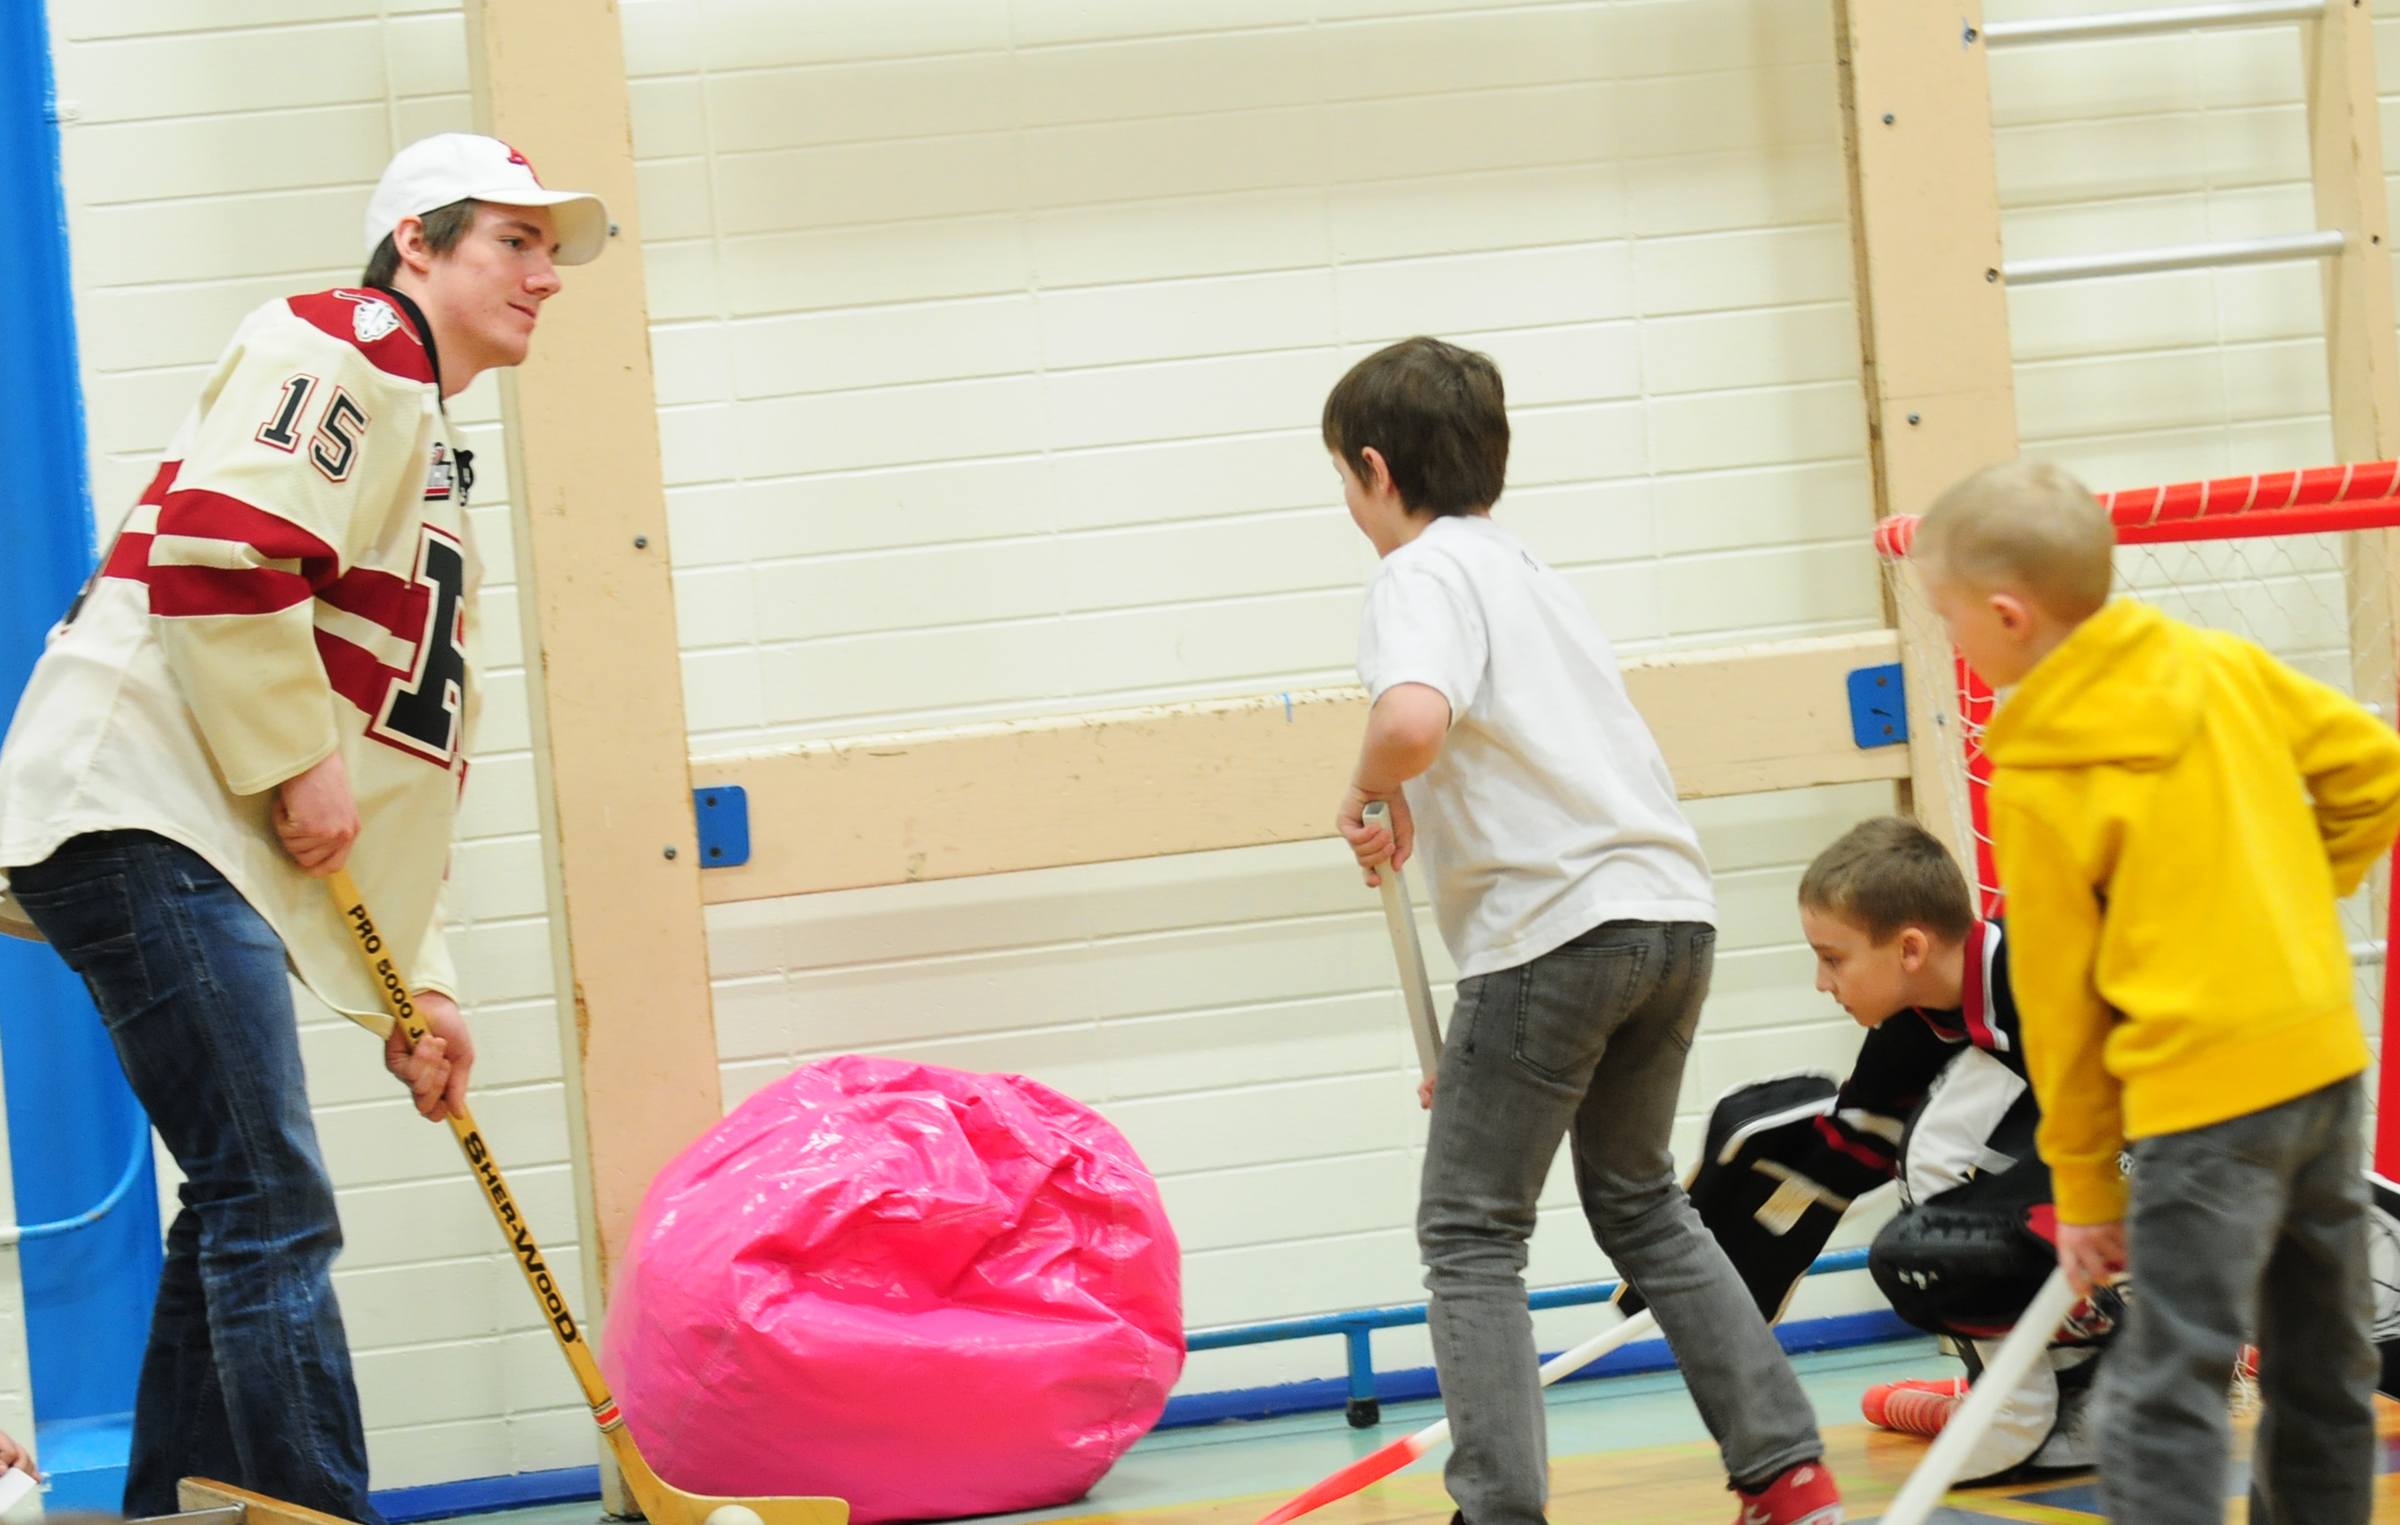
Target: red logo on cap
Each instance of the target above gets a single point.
(514, 157)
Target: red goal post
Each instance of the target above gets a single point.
(2296, 561)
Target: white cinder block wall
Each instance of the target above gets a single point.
(990, 337)
(991, 343)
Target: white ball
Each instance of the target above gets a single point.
(734, 1514)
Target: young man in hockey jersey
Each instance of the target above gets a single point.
(1937, 1099)
(268, 673)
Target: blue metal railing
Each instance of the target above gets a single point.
(23, 1232)
(1357, 1325)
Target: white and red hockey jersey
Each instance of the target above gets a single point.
(296, 579)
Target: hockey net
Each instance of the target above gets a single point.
(2296, 561)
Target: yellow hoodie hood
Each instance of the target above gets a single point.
(2128, 693)
(2174, 815)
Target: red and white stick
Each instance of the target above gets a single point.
(2036, 1326)
(1390, 1459)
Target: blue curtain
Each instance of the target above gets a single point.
(71, 1121)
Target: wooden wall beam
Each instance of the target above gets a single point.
(1139, 783)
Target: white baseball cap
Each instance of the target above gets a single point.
(454, 166)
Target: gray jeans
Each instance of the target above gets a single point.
(1591, 1038)
(2255, 1223)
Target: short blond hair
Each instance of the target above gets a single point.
(2027, 527)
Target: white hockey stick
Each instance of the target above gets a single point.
(1992, 1388)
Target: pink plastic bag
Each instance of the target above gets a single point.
(928, 1292)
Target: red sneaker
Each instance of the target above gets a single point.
(1919, 1406)
(1800, 1495)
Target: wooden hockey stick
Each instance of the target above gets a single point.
(661, 1502)
(1401, 920)
(1992, 1388)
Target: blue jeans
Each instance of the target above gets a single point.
(247, 1375)
(1589, 1040)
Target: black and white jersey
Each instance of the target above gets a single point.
(1911, 1062)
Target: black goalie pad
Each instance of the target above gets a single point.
(1964, 1270)
(1773, 1181)
(2383, 1266)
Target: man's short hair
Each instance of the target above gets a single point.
(444, 227)
(2025, 526)
(1888, 873)
(1435, 413)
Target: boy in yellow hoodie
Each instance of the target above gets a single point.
(2175, 814)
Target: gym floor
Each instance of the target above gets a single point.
(1628, 1450)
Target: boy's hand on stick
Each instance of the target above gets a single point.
(2091, 1253)
(1377, 844)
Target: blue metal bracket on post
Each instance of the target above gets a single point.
(724, 817)
(1878, 706)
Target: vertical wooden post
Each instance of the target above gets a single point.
(2362, 361)
(16, 1370)
(2346, 158)
(601, 655)
(2346, 162)
(1932, 314)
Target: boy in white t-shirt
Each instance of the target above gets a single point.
(1574, 898)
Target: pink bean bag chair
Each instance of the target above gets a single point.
(928, 1292)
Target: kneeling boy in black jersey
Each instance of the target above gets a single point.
(1939, 1101)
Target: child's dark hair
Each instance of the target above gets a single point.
(1435, 413)
(1888, 873)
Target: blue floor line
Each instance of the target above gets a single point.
(567, 1485)
(485, 1495)
(1832, 1333)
